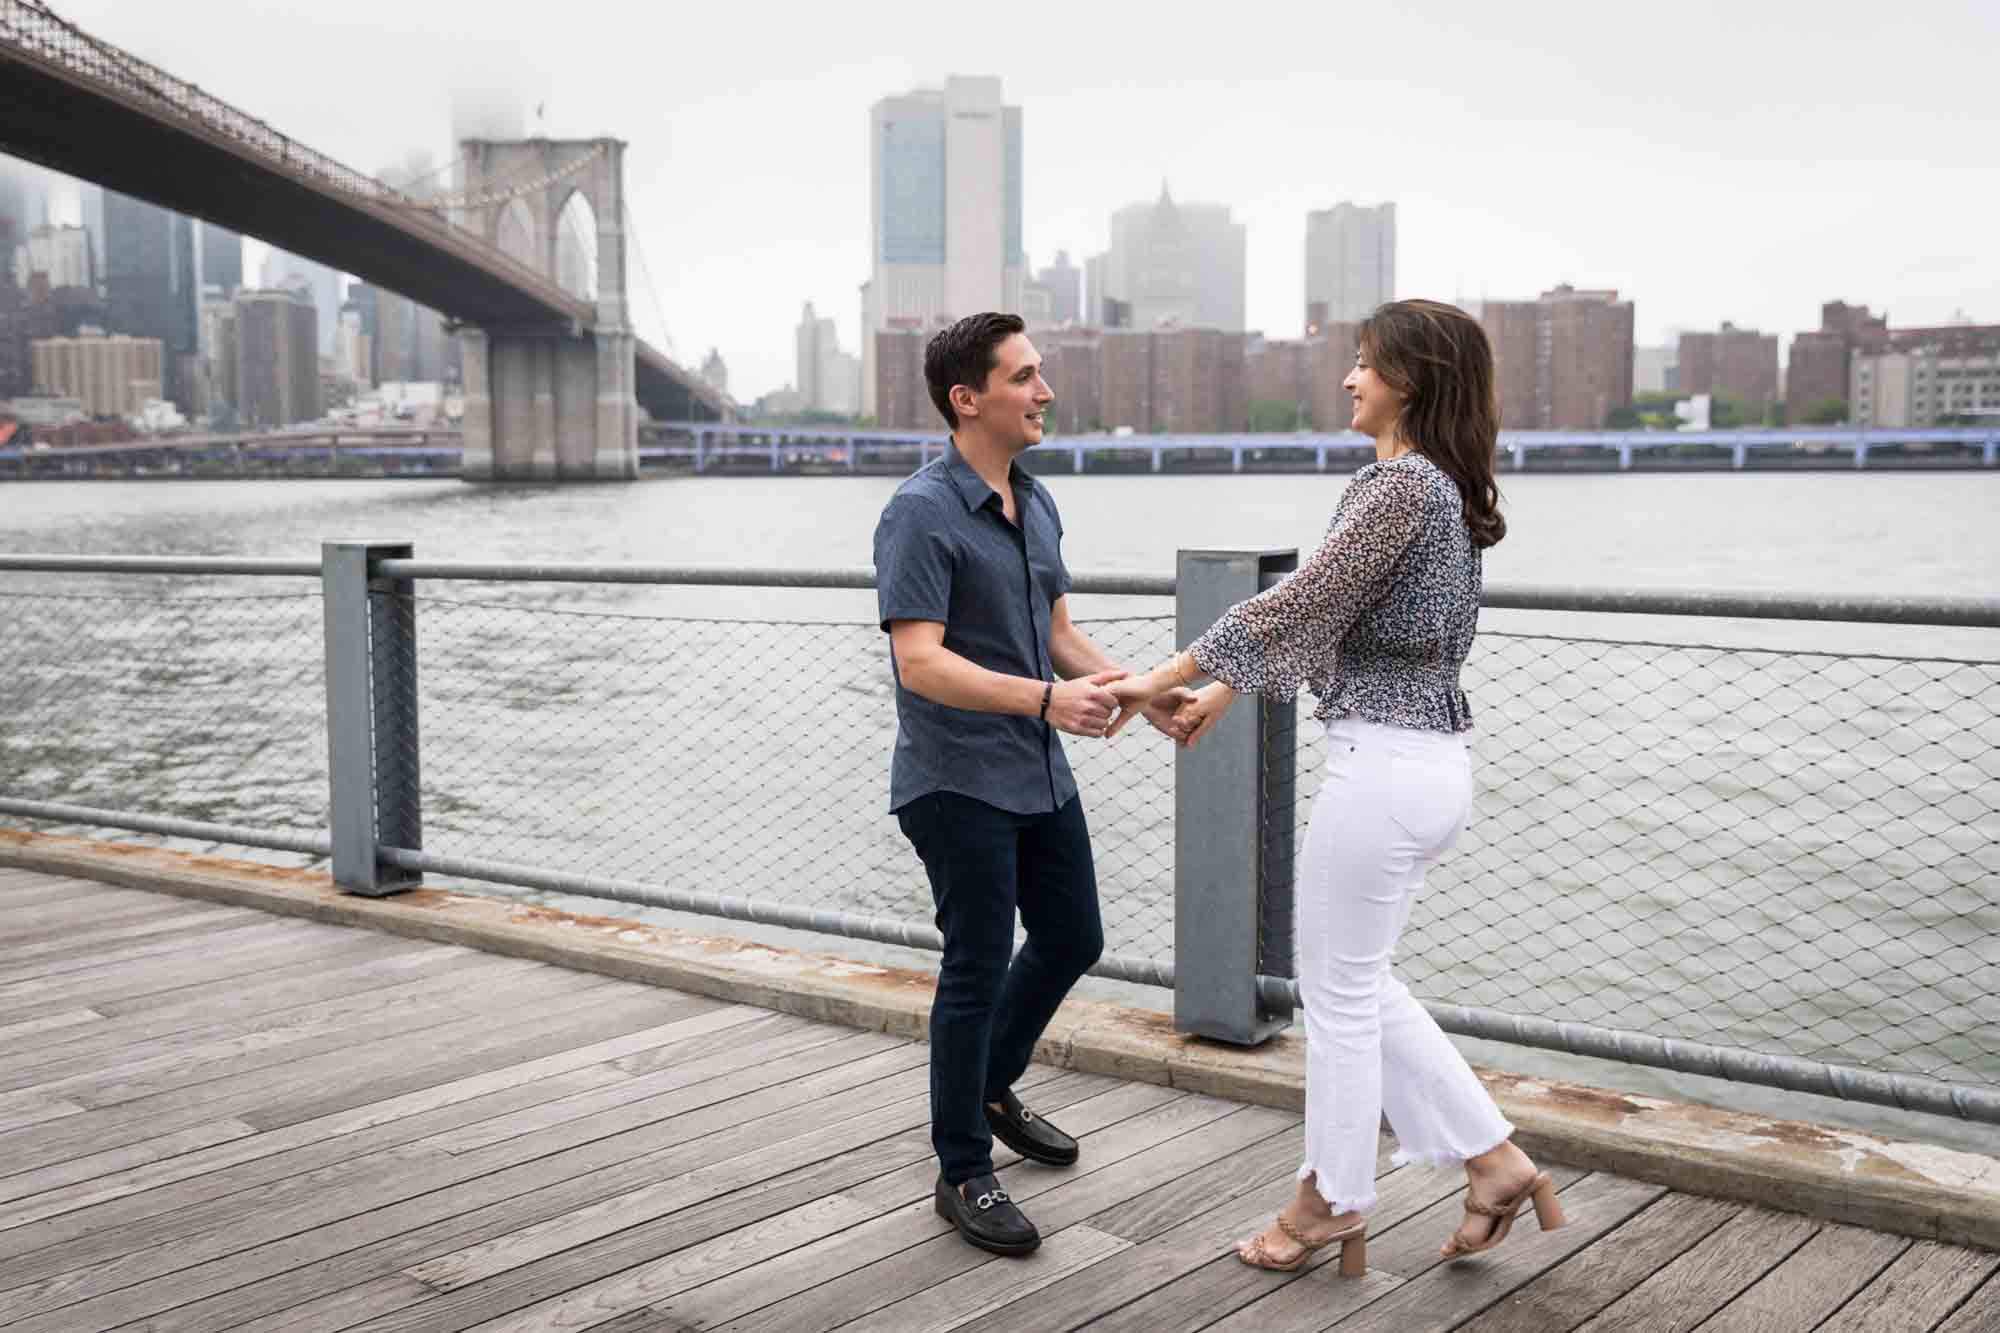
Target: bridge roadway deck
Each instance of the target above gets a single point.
(211, 1118)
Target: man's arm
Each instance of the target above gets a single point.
(1076, 653)
(1080, 706)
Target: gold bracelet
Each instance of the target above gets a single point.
(1179, 674)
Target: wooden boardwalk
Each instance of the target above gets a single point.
(213, 1119)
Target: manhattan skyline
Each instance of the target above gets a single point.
(1718, 166)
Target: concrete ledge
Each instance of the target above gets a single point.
(1907, 1188)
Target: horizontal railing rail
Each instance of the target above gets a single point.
(1706, 603)
(364, 610)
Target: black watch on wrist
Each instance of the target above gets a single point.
(1048, 689)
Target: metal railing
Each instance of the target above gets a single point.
(1774, 866)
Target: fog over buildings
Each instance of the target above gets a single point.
(1519, 155)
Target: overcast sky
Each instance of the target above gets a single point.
(1740, 161)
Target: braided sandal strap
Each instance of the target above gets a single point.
(1298, 1237)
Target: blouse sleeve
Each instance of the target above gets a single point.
(1275, 641)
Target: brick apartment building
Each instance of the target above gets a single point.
(1562, 361)
(1739, 362)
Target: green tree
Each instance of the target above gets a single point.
(1826, 412)
(1727, 411)
(1623, 418)
(1274, 414)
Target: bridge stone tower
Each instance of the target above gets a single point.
(555, 402)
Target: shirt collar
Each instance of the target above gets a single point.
(972, 487)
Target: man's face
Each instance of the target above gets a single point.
(1012, 405)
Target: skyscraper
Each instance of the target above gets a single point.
(221, 258)
(149, 282)
(320, 285)
(945, 210)
(1064, 283)
(1174, 265)
(1350, 262)
(23, 195)
(828, 378)
(277, 358)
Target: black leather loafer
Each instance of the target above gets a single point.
(986, 1217)
(1028, 1134)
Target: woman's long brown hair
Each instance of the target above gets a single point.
(1438, 358)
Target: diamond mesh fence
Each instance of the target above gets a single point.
(739, 757)
(1790, 852)
(1774, 850)
(208, 708)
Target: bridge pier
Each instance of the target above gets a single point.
(549, 407)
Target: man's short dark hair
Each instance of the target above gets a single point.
(965, 354)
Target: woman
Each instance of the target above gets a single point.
(1377, 624)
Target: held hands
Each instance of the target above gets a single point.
(1159, 695)
(1085, 706)
(1204, 709)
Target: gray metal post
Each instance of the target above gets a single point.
(1232, 829)
(371, 715)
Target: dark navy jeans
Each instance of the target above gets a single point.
(985, 864)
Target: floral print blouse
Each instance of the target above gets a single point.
(1378, 622)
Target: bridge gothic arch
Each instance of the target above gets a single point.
(576, 246)
(556, 402)
(514, 233)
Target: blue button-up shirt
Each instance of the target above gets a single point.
(944, 551)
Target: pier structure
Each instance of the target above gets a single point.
(317, 1093)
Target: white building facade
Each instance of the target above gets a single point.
(944, 211)
(1350, 262)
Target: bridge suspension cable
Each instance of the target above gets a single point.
(489, 197)
(666, 340)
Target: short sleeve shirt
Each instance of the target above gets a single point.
(945, 552)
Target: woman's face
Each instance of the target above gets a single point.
(1376, 405)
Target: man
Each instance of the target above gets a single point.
(971, 589)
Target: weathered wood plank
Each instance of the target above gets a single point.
(429, 1114)
(37, 1030)
(105, 1045)
(636, 1288)
(1448, 1293)
(1709, 1276)
(47, 1282)
(113, 1161)
(1221, 1284)
(426, 1058)
(482, 1101)
(1115, 1153)
(396, 1192)
(1141, 1288)
(1814, 1280)
(893, 1108)
(1607, 1268)
(23, 1110)
(1255, 1166)
(1918, 1291)
(725, 1213)
(1979, 1314)
(282, 949)
(344, 963)
(72, 951)
(959, 1300)
(56, 919)
(1180, 1234)
(197, 1054)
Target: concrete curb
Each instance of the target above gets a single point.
(1907, 1188)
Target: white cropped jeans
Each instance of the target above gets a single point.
(1393, 801)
